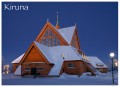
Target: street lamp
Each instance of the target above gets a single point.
(112, 56)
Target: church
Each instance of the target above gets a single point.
(56, 51)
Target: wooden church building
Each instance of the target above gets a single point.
(55, 51)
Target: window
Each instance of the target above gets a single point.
(40, 69)
(71, 65)
(50, 42)
(55, 41)
(100, 70)
(99, 65)
(47, 41)
(44, 41)
(46, 33)
(58, 42)
(27, 69)
(50, 33)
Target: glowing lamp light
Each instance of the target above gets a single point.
(116, 64)
(112, 55)
(63, 56)
(7, 72)
(6, 69)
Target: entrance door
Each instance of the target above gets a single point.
(33, 71)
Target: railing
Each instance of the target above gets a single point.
(91, 68)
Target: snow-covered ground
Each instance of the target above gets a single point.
(64, 79)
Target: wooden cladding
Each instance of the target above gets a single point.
(75, 41)
(41, 68)
(73, 67)
(15, 65)
(34, 56)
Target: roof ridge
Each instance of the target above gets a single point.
(67, 27)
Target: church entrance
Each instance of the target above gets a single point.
(33, 71)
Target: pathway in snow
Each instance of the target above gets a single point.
(101, 79)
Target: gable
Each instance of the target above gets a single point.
(33, 54)
(75, 40)
(50, 37)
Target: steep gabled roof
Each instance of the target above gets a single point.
(39, 51)
(52, 28)
(67, 33)
(17, 60)
(57, 52)
(96, 61)
(55, 55)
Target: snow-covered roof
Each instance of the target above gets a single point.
(45, 50)
(18, 71)
(17, 60)
(55, 55)
(57, 52)
(67, 33)
(96, 62)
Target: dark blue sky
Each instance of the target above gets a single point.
(97, 26)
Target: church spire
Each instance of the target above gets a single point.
(47, 19)
(57, 23)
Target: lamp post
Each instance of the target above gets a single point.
(112, 56)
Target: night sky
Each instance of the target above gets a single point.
(97, 25)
